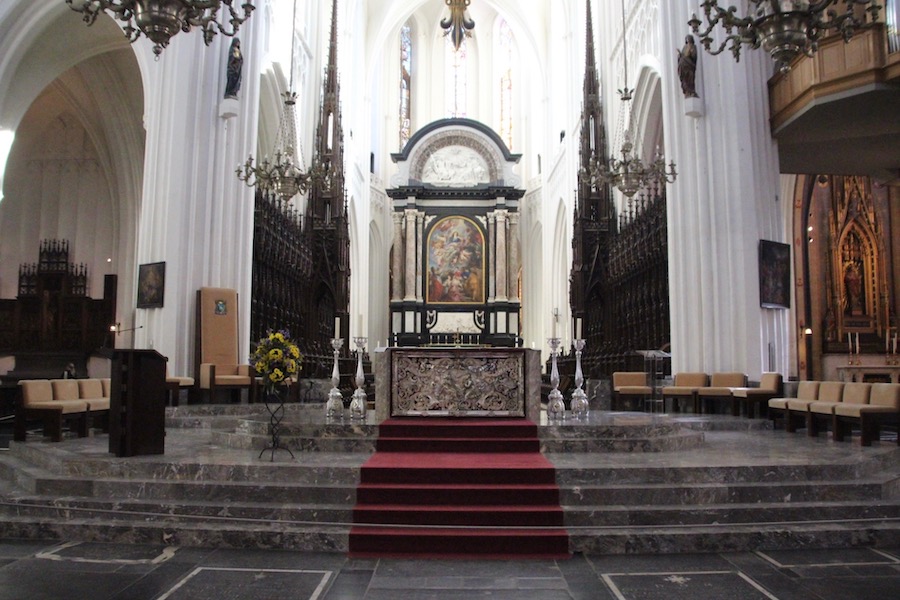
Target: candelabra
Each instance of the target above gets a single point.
(579, 398)
(334, 408)
(556, 408)
(358, 403)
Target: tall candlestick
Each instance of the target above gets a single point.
(578, 329)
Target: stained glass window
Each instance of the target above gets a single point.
(456, 89)
(405, 84)
(505, 56)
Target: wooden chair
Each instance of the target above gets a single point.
(720, 389)
(217, 352)
(756, 400)
(174, 385)
(627, 387)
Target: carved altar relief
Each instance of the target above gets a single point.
(458, 383)
(455, 166)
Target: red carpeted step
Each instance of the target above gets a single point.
(450, 542)
(504, 515)
(458, 487)
(459, 444)
(457, 494)
(435, 427)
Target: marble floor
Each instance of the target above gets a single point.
(34, 570)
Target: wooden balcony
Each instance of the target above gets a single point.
(838, 111)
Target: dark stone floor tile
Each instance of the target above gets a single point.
(688, 586)
(403, 569)
(36, 583)
(861, 588)
(350, 585)
(23, 548)
(249, 584)
(658, 563)
(582, 581)
(426, 594)
(275, 559)
(840, 556)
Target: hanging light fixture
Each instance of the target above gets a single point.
(784, 28)
(629, 174)
(283, 177)
(159, 20)
(458, 25)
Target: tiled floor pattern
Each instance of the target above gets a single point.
(31, 570)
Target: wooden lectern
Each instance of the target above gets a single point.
(137, 408)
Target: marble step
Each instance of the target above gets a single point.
(175, 511)
(751, 537)
(734, 513)
(719, 493)
(668, 442)
(630, 473)
(329, 442)
(306, 538)
(215, 491)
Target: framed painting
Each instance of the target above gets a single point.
(151, 285)
(455, 262)
(774, 274)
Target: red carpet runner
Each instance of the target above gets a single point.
(461, 487)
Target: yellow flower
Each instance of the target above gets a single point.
(279, 336)
(276, 376)
(295, 351)
(276, 354)
(260, 366)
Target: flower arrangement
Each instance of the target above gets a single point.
(276, 359)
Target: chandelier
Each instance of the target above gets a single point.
(159, 20)
(784, 28)
(458, 25)
(629, 174)
(283, 176)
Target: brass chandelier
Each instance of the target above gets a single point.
(784, 28)
(283, 176)
(159, 20)
(629, 174)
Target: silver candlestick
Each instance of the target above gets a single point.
(556, 408)
(358, 403)
(334, 408)
(579, 398)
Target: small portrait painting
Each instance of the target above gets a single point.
(151, 285)
(455, 262)
(221, 307)
(774, 275)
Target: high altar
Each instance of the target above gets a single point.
(455, 266)
(457, 382)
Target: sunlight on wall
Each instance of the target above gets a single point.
(6, 142)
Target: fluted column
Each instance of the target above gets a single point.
(513, 245)
(420, 224)
(500, 250)
(410, 287)
(397, 259)
(492, 271)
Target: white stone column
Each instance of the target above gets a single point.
(420, 243)
(397, 258)
(410, 268)
(513, 245)
(492, 263)
(500, 248)
(195, 215)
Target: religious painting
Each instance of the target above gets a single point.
(151, 285)
(774, 274)
(455, 264)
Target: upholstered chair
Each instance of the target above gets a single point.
(883, 409)
(798, 408)
(720, 389)
(821, 411)
(756, 400)
(37, 401)
(685, 385)
(217, 352)
(778, 407)
(628, 386)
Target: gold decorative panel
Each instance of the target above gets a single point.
(458, 382)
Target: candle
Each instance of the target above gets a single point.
(578, 329)
(895, 343)
(553, 335)
(337, 327)
(849, 344)
(857, 343)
